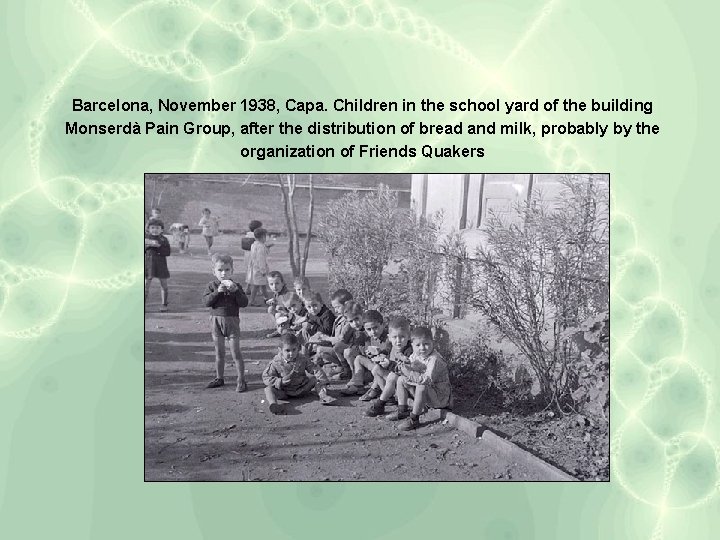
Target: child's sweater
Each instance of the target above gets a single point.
(224, 304)
(323, 322)
(278, 368)
(431, 371)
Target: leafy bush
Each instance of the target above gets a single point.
(538, 278)
(475, 367)
(359, 234)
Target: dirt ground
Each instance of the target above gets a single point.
(192, 433)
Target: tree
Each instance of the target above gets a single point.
(298, 259)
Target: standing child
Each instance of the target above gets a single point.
(210, 227)
(157, 249)
(424, 377)
(290, 374)
(225, 297)
(376, 350)
(258, 269)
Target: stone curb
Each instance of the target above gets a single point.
(505, 448)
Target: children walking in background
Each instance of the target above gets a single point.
(290, 374)
(258, 267)
(210, 228)
(157, 250)
(225, 297)
(377, 349)
(181, 236)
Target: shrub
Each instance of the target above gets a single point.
(545, 275)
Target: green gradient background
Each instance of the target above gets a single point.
(71, 344)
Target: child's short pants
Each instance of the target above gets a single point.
(228, 327)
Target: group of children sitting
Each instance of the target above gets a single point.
(320, 344)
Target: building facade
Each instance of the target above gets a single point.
(467, 200)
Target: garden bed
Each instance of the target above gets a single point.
(570, 442)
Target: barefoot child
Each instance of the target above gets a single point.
(291, 374)
(157, 249)
(424, 377)
(376, 350)
(258, 267)
(225, 297)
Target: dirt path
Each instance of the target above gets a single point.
(196, 434)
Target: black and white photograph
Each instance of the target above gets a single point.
(377, 327)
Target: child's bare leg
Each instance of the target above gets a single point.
(270, 395)
(163, 291)
(219, 356)
(401, 392)
(419, 399)
(147, 286)
(239, 364)
(390, 386)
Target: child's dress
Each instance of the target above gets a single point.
(258, 267)
(156, 258)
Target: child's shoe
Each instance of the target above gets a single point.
(276, 408)
(344, 375)
(377, 408)
(241, 387)
(273, 334)
(412, 422)
(352, 390)
(392, 400)
(371, 394)
(325, 398)
(163, 308)
(401, 413)
(216, 383)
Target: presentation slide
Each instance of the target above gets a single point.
(384, 242)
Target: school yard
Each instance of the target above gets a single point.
(192, 433)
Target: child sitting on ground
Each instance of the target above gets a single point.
(341, 333)
(290, 374)
(387, 370)
(302, 287)
(355, 338)
(320, 321)
(424, 377)
(225, 297)
(376, 350)
(278, 289)
(157, 249)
